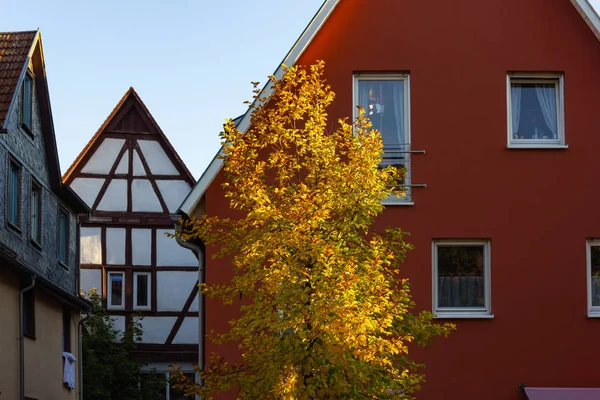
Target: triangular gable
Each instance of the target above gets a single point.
(129, 116)
(195, 197)
(129, 166)
(17, 51)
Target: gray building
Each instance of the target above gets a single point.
(39, 260)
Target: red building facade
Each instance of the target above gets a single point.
(492, 106)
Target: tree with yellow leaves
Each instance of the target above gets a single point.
(328, 315)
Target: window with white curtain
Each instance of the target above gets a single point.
(593, 277)
(461, 278)
(535, 111)
(385, 99)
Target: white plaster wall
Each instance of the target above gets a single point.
(169, 253)
(173, 192)
(141, 241)
(138, 167)
(157, 329)
(123, 166)
(143, 196)
(91, 278)
(115, 197)
(91, 246)
(115, 246)
(104, 158)
(156, 158)
(118, 323)
(87, 189)
(188, 332)
(173, 289)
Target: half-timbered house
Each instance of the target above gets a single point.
(132, 179)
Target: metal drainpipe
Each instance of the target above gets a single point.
(88, 312)
(21, 341)
(199, 251)
(80, 351)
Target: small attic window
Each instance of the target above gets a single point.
(27, 104)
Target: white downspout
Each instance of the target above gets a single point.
(199, 252)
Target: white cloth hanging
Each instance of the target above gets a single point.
(546, 95)
(69, 369)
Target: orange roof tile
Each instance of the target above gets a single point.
(14, 48)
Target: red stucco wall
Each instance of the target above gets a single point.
(536, 206)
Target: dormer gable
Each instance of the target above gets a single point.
(129, 166)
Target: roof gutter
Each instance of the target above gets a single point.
(198, 250)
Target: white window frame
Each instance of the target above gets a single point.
(109, 304)
(148, 290)
(161, 368)
(593, 311)
(558, 81)
(463, 312)
(392, 200)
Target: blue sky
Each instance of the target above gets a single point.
(191, 61)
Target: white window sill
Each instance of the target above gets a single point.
(593, 314)
(463, 316)
(397, 202)
(536, 146)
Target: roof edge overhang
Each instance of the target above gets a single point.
(69, 196)
(23, 271)
(306, 37)
(195, 196)
(589, 15)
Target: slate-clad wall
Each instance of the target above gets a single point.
(30, 152)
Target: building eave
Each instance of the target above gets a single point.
(589, 15)
(23, 271)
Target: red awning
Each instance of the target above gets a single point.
(562, 393)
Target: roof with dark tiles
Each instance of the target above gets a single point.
(14, 48)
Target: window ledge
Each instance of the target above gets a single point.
(14, 228)
(537, 146)
(27, 130)
(593, 314)
(62, 264)
(35, 244)
(397, 203)
(463, 316)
